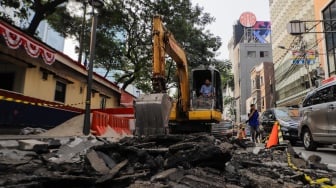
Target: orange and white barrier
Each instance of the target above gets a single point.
(120, 124)
(99, 123)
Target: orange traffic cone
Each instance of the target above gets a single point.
(273, 138)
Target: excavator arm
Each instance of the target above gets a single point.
(152, 111)
(165, 43)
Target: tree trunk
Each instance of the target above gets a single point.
(42, 11)
(123, 77)
(38, 17)
(128, 82)
(106, 73)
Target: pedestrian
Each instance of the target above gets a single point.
(253, 121)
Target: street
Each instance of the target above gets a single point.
(327, 154)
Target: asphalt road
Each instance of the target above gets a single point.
(328, 155)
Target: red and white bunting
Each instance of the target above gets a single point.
(14, 40)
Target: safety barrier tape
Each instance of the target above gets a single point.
(10, 99)
(280, 137)
(265, 139)
(323, 182)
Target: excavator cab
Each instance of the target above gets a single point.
(199, 101)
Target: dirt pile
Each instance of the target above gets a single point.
(72, 127)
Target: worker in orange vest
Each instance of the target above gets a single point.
(241, 132)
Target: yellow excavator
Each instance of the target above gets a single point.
(157, 113)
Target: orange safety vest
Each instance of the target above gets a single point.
(241, 134)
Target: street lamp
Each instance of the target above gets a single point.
(305, 64)
(87, 123)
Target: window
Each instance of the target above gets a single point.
(307, 102)
(266, 115)
(251, 53)
(263, 54)
(322, 96)
(263, 102)
(261, 80)
(81, 89)
(103, 102)
(7, 80)
(329, 14)
(44, 76)
(60, 91)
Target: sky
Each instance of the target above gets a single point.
(227, 12)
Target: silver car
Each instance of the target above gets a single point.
(318, 117)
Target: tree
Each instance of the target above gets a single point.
(40, 9)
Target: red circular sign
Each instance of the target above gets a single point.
(247, 19)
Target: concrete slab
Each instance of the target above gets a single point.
(15, 157)
(97, 163)
(72, 151)
(32, 145)
(10, 144)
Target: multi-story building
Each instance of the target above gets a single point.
(50, 36)
(291, 80)
(262, 87)
(246, 51)
(228, 110)
(325, 10)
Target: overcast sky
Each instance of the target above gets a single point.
(227, 12)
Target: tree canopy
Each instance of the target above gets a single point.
(124, 38)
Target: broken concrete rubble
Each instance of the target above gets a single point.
(33, 145)
(184, 161)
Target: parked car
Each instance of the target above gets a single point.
(318, 117)
(224, 129)
(288, 118)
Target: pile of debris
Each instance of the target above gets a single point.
(197, 160)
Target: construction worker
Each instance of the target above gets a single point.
(241, 132)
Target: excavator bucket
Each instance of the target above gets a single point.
(152, 114)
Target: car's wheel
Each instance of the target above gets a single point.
(308, 141)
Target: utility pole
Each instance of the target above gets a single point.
(304, 52)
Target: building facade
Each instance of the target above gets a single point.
(291, 80)
(246, 52)
(262, 87)
(40, 83)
